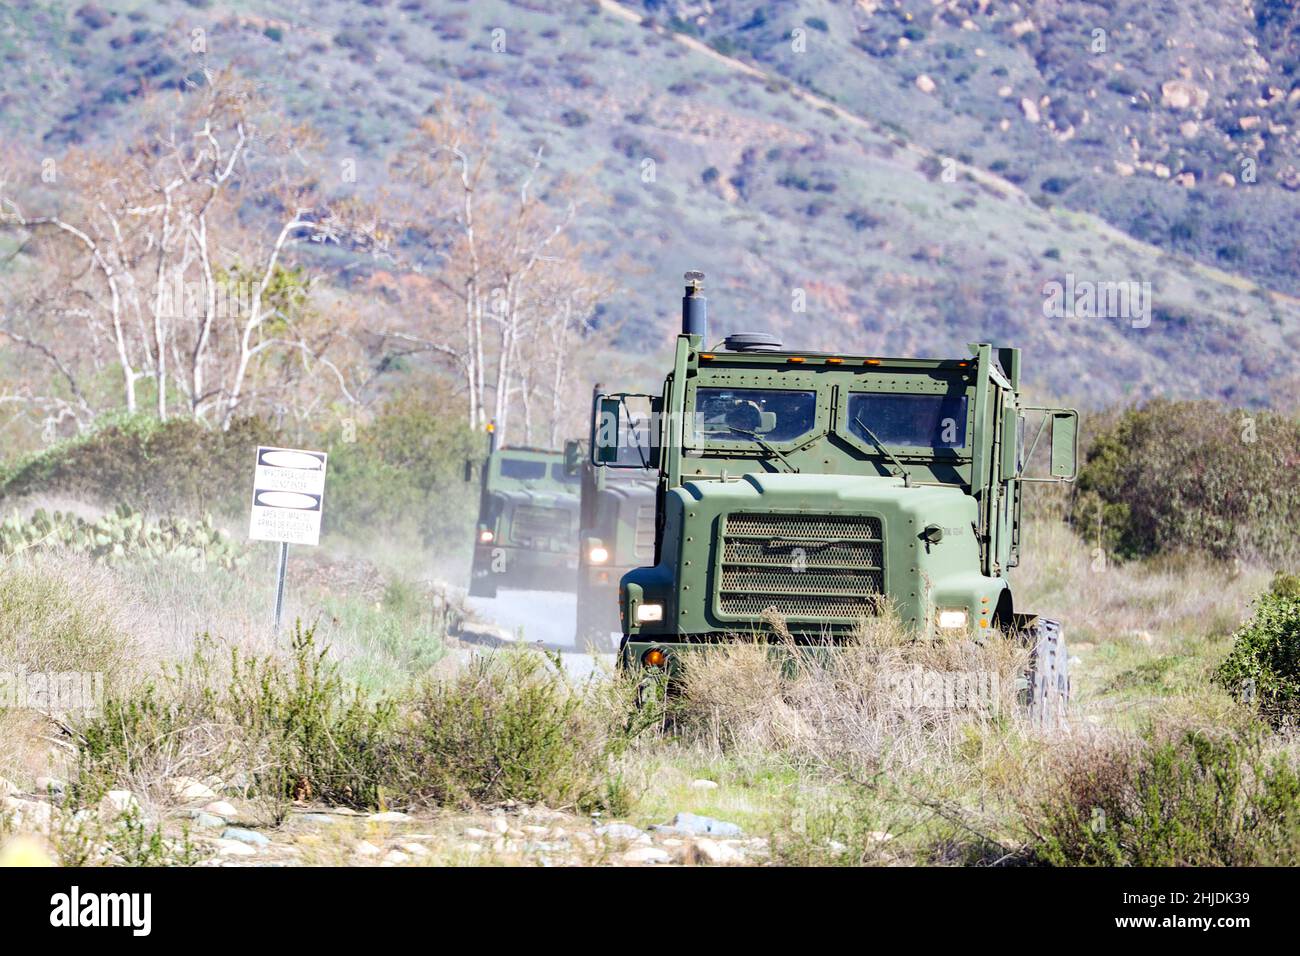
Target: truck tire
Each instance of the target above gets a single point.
(1048, 693)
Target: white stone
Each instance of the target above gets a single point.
(414, 849)
(366, 848)
(711, 851)
(222, 808)
(925, 84)
(7, 788)
(50, 785)
(235, 848)
(646, 854)
(117, 802)
(499, 825)
(477, 833)
(187, 788)
(1030, 109)
(703, 785)
(391, 816)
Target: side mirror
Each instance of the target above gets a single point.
(1012, 423)
(608, 432)
(572, 456)
(1065, 443)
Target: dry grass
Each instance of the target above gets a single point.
(883, 703)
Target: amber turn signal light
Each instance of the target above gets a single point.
(655, 657)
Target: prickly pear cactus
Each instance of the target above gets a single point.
(122, 535)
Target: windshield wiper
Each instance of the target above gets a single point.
(765, 446)
(902, 472)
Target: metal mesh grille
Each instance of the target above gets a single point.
(645, 531)
(818, 567)
(532, 521)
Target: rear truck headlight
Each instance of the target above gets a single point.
(655, 657)
(951, 619)
(646, 613)
(597, 554)
(485, 536)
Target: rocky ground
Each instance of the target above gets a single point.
(205, 827)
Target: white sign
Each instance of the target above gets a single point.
(288, 493)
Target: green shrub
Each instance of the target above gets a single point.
(1264, 664)
(1174, 476)
(405, 474)
(514, 726)
(1196, 800)
(511, 726)
(286, 730)
(178, 467)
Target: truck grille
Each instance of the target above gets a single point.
(644, 543)
(531, 522)
(820, 567)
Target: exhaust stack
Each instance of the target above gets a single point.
(695, 314)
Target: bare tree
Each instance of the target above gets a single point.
(150, 261)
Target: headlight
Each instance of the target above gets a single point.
(953, 618)
(486, 536)
(649, 612)
(597, 554)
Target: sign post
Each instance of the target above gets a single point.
(288, 497)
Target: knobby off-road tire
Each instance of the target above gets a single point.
(1048, 693)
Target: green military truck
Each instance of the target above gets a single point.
(827, 487)
(526, 537)
(616, 534)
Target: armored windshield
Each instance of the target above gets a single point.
(909, 421)
(753, 414)
(522, 469)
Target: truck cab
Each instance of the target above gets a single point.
(526, 535)
(617, 533)
(828, 488)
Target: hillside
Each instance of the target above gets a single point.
(900, 219)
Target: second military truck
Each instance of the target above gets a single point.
(616, 534)
(526, 536)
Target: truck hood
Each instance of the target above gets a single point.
(821, 493)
